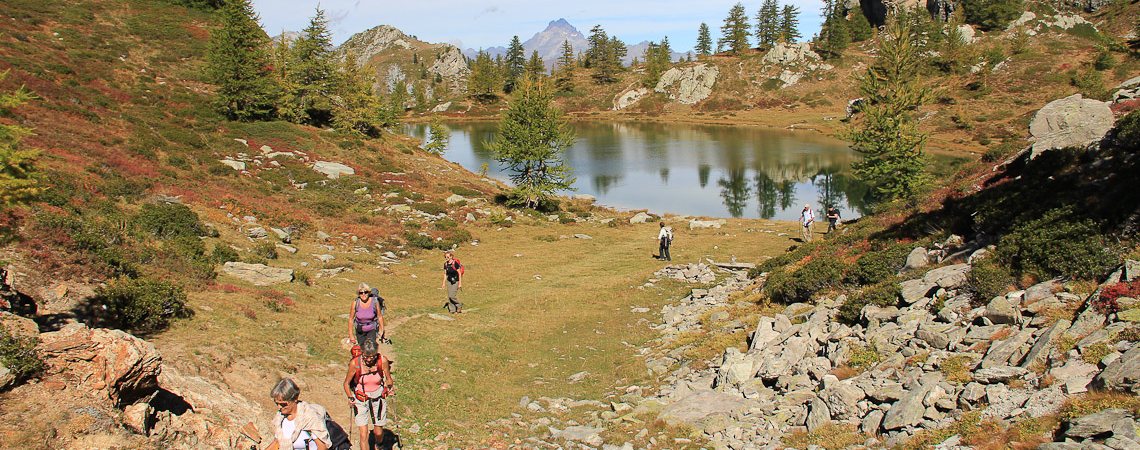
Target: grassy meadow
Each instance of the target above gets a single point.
(541, 305)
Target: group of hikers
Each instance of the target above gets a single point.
(300, 425)
(807, 218)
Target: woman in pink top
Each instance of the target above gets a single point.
(365, 323)
(367, 384)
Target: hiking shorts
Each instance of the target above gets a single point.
(371, 412)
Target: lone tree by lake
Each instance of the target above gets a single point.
(531, 140)
(887, 134)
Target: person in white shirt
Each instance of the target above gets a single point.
(297, 425)
(665, 237)
(807, 217)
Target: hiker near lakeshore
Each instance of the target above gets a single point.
(807, 217)
(665, 239)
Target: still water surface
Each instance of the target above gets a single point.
(703, 170)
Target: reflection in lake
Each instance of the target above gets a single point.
(692, 169)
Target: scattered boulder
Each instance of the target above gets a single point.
(627, 98)
(1072, 121)
(333, 170)
(640, 217)
(258, 274)
(697, 224)
(1095, 424)
(1122, 374)
(917, 259)
(236, 165)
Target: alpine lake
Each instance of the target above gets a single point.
(689, 169)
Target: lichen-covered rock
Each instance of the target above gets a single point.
(108, 364)
(1123, 374)
(626, 98)
(693, 83)
(333, 170)
(258, 274)
(1072, 121)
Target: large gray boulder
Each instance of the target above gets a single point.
(258, 274)
(627, 98)
(692, 84)
(1123, 374)
(1095, 424)
(1072, 121)
(698, 405)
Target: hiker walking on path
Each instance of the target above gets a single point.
(665, 237)
(452, 281)
(365, 323)
(297, 425)
(807, 217)
(832, 218)
(367, 385)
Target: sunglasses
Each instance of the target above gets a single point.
(361, 292)
(282, 404)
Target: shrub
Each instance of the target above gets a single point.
(142, 304)
(265, 249)
(464, 191)
(1057, 244)
(1128, 130)
(992, 14)
(168, 220)
(18, 354)
(431, 208)
(957, 369)
(799, 286)
(998, 152)
(863, 357)
(987, 279)
(883, 294)
(1096, 352)
(876, 266)
(223, 253)
(1104, 60)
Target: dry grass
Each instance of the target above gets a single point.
(830, 436)
(521, 335)
(1096, 401)
(957, 369)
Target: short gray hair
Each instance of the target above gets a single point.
(285, 390)
(369, 348)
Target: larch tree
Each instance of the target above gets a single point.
(734, 33)
(238, 63)
(887, 133)
(535, 67)
(483, 82)
(768, 24)
(356, 109)
(18, 176)
(438, 137)
(790, 24)
(312, 75)
(530, 144)
(704, 41)
(564, 73)
(515, 64)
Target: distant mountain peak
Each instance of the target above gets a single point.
(560, 23)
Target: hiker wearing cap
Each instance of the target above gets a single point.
(367, 384)
(365, 322)
(452, 281)
(298, 425)
(807, 217)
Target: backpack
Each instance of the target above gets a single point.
(669, 235)
(358, 387)
(457, 267)
(379, 300)
(337, 435)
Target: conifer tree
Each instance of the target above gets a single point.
(535, 67)
(704, 41)
(238, 63)
(564, 73)
(658, 57)
(789, 24)
(887, 133)
(834, 35)
(604, 55)
(18, 175)
(860, 27)
(515, 64)
(356, 109)
(768, 24)
(483, 82)
(734, 33)
(419, 97)
(531, 141)
(398, 98)
(438, 137)
(311, 75)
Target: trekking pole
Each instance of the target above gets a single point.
(352, 421)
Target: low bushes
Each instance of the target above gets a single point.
(141, 305)
(18, 354)
(1057, 244)
(167, 220)
(799, 286)
(874, 267)
(884, 294)
(987, 279)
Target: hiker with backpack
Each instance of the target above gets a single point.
(367, 385)
(298, 425)
(452, 281)
(365, 320)
(665, 236)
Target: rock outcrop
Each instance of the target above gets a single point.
(258, 274)
(113, 365)
(688, 85)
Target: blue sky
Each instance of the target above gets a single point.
(483, 24)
